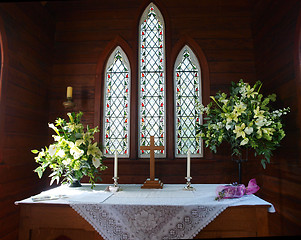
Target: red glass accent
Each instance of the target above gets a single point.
(160, 33)
(142, 104)
(109, 76)
(126, 105)
(178, 75)
(162, 135)
(125, 152)
(142, 46)
(142, 135)
(106, 150)
(107, 120)
(127, 76)
(126, 90)
(197, 119)
(179, 151)
(196, 75)
(161, 60)
(178, 90)
(142, 60)
(196, 89)
(161, 89)
(142, 74)
(107, 136)
(161, 151)
(142, 151)
(161, 104)
(161, 75)
(160, 46)
(142, 89)
(108, 105)
(198, 151)
(152, 9)
(108, 90)
(178, 119)
(125, 120)
(125, 136)
(142, 33)
(142, 119)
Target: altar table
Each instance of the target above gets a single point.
(135, 213)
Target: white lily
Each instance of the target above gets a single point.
(76, 152)
(244, 141)
(239, 131)
(96, 162)
(248, 130)
(52, 150)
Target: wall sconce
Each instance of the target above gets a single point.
(69, 103)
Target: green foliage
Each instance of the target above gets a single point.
(244, 119)
(73, 153)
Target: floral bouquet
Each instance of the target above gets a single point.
(73, 153)
(244, 119)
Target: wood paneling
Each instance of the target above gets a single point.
(228, 33)
(274, 29)
(29, 33)
(85, 33)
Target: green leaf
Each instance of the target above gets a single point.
(39, 171)
(34, 151)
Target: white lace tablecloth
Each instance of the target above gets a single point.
(135, 213)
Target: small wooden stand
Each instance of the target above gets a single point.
(152, 182)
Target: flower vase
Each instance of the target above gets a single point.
(75, 182)
(239, 159)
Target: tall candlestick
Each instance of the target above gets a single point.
(115, 165)
(69, 92)
(188, 163)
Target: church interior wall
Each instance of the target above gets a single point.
(63, 43)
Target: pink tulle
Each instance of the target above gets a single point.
(236, 191)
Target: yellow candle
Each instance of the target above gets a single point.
(69, 92)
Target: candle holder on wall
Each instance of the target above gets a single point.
(69, 104)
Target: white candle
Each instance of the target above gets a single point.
(188, 164)
(69, 92)
(115, 164)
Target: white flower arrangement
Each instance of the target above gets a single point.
(73, 153)
(244, 119)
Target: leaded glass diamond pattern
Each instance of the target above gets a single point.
(187, 82)
(116, 125)
(152, 103)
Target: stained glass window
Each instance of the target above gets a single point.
(117, 96)
(187, 95)
(152, 79)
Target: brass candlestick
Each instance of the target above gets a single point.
(69, 103)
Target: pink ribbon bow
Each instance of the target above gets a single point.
(236, 190)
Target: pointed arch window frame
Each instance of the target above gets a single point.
(142, 19)
(109, 62)
(195, 61)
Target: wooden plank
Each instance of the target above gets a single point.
(233, 222)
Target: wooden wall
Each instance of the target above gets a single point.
(28, 35)
(275, 44)
(38, 69)
(85, 32)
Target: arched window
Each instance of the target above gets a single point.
(151, 79)
(117, 104)
(187, 82)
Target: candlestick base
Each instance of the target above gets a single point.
(69, 103)
(114, 188)
(188, 185)
(152, 184)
